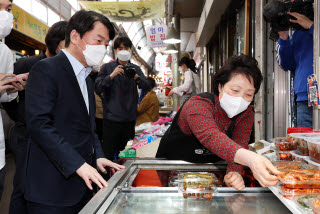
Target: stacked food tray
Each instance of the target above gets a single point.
(197, 185)
(299, 182)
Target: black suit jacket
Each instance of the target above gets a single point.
(62, 133)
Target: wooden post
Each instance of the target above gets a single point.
(247, 27)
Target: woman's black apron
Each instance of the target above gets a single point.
(176, 145)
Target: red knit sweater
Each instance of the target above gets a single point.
(208, 123)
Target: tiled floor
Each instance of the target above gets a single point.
(5, 200)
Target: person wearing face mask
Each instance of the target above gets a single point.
(16, 83)
(64, 150)
(209, 128)
(18, 137)
(148, 109)
(119, 88)
(191, 85)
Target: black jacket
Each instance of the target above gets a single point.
(16, 108)
(62, 133)
(120, 94)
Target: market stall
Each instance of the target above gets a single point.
(127, 195)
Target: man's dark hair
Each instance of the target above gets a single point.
(243, 64)
(55, 35)
(190, 63)
(152, 82)
(122, 40)
(83, 22)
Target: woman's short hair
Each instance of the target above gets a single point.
(190, 63)
(243, 64)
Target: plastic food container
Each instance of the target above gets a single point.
(299, 158)
(301, 140)
(284, 144)
(314, 150)
(290, 193)
(303, 202)
(197, 195)
(315, 205)
(197, 181)
(288, 165)
(300, 178)
(282, 155)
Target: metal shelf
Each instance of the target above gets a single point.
(288, 203)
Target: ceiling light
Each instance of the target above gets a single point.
(171, 49)
(172, 37)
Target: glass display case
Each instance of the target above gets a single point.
(150, 186)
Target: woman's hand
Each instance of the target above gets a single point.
(259, 165)
(170, 93)
(235, 180)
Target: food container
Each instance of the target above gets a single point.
(315, 205)
(314, 150)
(300, 178)
(282, 155)
(301, 140)
(303, 202)
(300, 158)
(199, 181)
(197, 195)
(287, 165)
(290, 193)
(284, 144)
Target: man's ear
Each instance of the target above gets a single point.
(74, 37)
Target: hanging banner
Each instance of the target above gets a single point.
(132, 11)
(155, 35)
(28, 25)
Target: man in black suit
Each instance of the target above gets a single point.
(63, 147)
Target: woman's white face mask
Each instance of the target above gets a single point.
(236, 95)
(233, 105)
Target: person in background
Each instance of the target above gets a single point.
(120, 93)
(99, 105)
(191, 85)
(16, 83)
(64, 150)
(18, 139)
(148, 109)
(209, 128)
(296, 54)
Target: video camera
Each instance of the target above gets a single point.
(275, 12)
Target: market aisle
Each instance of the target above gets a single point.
(10, 168)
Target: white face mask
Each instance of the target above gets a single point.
(233, 105)
(124, 55)
(6, 23)
(94, 54)
(181, 70)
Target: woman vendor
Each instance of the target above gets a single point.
(209, 127)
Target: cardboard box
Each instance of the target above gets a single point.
(149, 150)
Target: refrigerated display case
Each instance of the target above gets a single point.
(158, 192)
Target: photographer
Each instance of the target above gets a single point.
(296, 54)
(118, 81)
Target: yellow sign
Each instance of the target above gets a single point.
(131, 11)
(28, 25)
